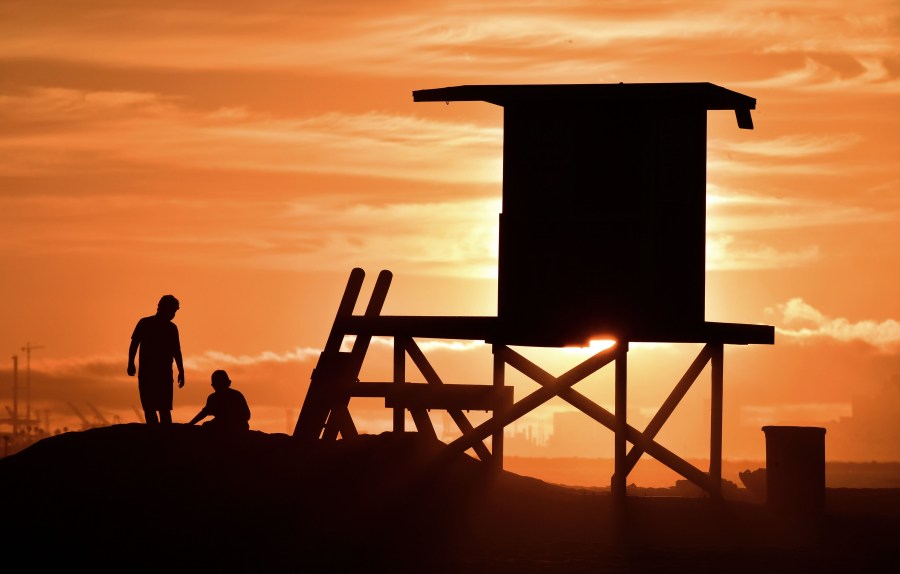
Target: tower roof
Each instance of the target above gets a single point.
(686, 95)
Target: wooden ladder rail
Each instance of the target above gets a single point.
(324, 413)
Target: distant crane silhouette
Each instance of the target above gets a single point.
(28, 348)
(15, 409)
(85, 423)
(101, 420)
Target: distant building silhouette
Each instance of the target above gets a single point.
(872, 432)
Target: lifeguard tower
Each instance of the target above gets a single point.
(602, 235)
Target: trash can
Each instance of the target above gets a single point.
(795, 470)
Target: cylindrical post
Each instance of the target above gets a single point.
(715, 430)
(399, 379)
(621, 473)
(499, 381)
(795, 471)
(28, 383)
(15, 417)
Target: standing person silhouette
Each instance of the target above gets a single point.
(157, 337)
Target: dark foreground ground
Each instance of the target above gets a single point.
(131, 498)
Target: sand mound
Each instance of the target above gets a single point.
(134, 498)
(180, 495)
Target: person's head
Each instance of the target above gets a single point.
(167, 306)
(220, 380)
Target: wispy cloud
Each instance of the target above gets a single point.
(403, 38)
(800, 321)
(217, 359)
(425, 345)
(816, 76)
(84, 130)
(788, 214)
(725, 252)
(458, 237)
(790, 146)
(732, 210)
(113, 365)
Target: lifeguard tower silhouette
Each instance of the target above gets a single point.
(602, 235)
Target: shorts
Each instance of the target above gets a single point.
(156, 392)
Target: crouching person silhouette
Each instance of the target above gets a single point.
(228, 407)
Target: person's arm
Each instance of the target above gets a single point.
(200, 416)
(178, 361)
(136, 337)
(132, 351)
(246, 413)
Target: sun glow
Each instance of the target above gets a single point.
(593, 347)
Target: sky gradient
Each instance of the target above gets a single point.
(246, 160)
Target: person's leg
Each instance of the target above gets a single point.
(145, 388)
(165, 401)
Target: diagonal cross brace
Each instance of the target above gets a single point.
(419, 415)
(532, 401)
(432, 378)
(607, 419)
(668, 407)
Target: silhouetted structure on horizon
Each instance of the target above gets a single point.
(602, 235)
(603, 229)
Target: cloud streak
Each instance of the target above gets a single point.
(92, 130)
(741, 213)
(804, 323)
(218, 360)
(815, 76)
(790, 146)
(726, 253)
(403, 38)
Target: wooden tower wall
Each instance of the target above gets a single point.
(603, 223)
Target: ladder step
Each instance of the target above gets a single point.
(425, 396)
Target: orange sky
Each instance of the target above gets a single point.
(246, 159)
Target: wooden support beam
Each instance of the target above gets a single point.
(499, 381)
(411, 395)
(488, 329)
(445, 397)
(607, 419)
(345, 311)
(621, 431)
(668, 407)
(400, 344)
(431, 376)
(532, 401)
(716, 405)
(423, 423)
